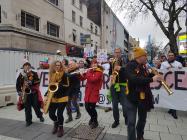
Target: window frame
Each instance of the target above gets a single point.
(74, 34)
(81, 21)
(49, 31)
(73, 16)
(56, 2)
(36, 19)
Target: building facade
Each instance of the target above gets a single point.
(133, 42)
(45, 26)
(113, 33)
(35, 26)
(77, 27)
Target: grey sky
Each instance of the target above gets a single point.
(141, 28)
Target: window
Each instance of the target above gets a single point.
(73, 2)
(80, 3)
(29, 21)
(81, 21)
(52, 29)
(0, 13)
(74, 35)
(55, 2)
(96, 30)
(73, 16)
(91, 27)
(81, 38)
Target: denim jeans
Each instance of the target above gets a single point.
(131, 111)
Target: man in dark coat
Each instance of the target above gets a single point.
(139, 97)
(27, 86)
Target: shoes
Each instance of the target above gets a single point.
(78, 116)
(108, 109)
(94, 125)
(55, 128)
(170, 111)
(115, 124)
(174, 115)
(90, 122)
(41, 119)
(60, 131)
(69, 120)
(28, 123)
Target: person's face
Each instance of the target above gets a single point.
(57, 66)
(26, 68)
(71, 64)
(81, 64)
(171, 56)
(94, 65)
(117, 53)
(143, 59)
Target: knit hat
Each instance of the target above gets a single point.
(26, 62)
(138, 52)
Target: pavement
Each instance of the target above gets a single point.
(160, 126)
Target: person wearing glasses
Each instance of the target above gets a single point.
(118, 88)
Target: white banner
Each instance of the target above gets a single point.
(176, 79)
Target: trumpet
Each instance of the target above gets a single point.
(164, 84)
(53, 87)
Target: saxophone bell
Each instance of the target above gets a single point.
(52, 88)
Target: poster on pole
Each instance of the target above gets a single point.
(88, 51)
(102, 55)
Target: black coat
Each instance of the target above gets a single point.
(63, 87)
(32, 78)
(139, 81)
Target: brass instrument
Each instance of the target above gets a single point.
(164, 84)
(52, 88)
(114, 72)
(25, 88)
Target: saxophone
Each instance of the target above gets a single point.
(26, 87)
(114, 72)
(53, 87)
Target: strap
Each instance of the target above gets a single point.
(117, 86)
(59, 100)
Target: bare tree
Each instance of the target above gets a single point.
(167, 14)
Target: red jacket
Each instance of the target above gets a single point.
(93, 85)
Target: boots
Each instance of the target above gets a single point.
(94, 124)
(55, 128)
(70, 118)
(60, 131)
(78, 115)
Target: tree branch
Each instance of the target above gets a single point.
(158, 19)
(144, 3)
(180, 9)
(179, 28)
(164, 6)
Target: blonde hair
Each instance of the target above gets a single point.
(52, 67)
